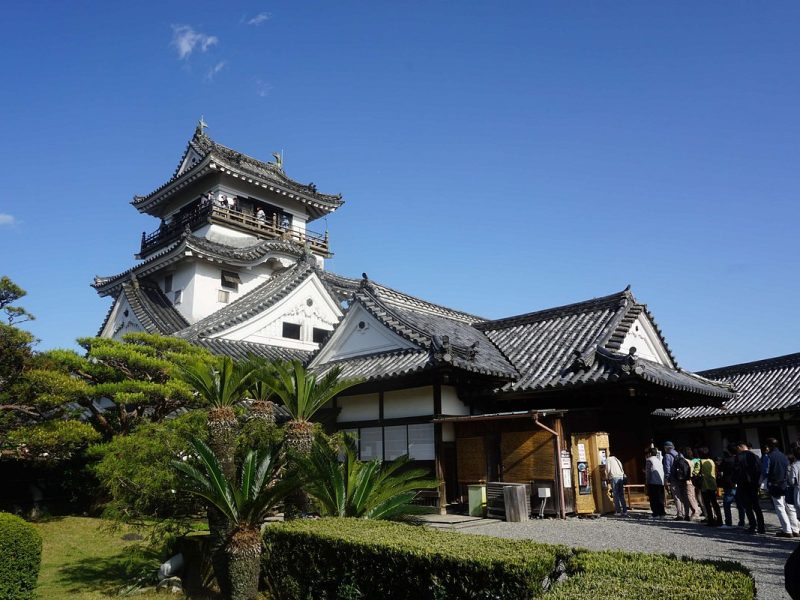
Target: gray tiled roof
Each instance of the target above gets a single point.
(578, 344)
(442, 336)
(151, 308)
(762, 386)
(381, 366)
(200, 246)
(348, 286)
(239, 350)
(247, 167)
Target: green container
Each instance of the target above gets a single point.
(476, 495)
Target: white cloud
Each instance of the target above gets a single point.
(262, 88)
(186, 40)
(259, 19)
(6, 219)
(212, 72)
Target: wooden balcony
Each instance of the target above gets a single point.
(269, 228)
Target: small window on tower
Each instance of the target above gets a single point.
(319, 335)
(230, 280)
(223, 296)
(291, 331)
(167, 284)
(177, 296)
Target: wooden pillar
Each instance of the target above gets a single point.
(437, 437)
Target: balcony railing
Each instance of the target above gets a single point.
(269, 228)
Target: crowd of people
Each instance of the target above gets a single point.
(694, 479)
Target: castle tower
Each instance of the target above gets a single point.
(229, 225)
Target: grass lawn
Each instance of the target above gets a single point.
(82, 560)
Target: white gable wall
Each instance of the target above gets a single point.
(642, 335)
(119, 323)
(360, 334)
(309, 306)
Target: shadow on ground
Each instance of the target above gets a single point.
(129, 569)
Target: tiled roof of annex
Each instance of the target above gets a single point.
(762, 386)
(578, 344)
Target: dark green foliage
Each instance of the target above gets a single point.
(615, 574)
(352, 558)
(140, 376)
(262, 485)
(352, 488)
(136, 474)
(20, 558)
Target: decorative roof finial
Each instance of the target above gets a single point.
(278, 159)
(201, 127)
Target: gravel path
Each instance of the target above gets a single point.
(764, 555)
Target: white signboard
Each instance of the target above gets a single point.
(581, 453)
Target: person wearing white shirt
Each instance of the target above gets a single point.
(654, 471)
(615, 474)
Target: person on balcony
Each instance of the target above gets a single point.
(261, 216)
(285, 222)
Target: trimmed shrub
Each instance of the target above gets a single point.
(613, 574)
(347, 559)
(358, 558)
(20, 557)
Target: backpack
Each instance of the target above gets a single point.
(681, 469)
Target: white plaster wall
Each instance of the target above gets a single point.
(183, 280)
(451, 405)
(413, 402)
(364, 407)
(200, 297)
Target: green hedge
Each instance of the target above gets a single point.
(355, 558)
(343, 559)
(20, 557)
(613, 574)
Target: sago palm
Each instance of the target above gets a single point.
(262, 406)
(368, 490)
(221, 387)
(303, 394)
(245, 506)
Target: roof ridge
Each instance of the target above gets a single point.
(549, 313)
(784, 360)
(438, 309)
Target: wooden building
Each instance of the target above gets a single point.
(539, 398)
(766, 404)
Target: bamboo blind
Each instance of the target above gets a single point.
(527, 455)
(471, 456)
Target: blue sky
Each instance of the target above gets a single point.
(495, 157)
